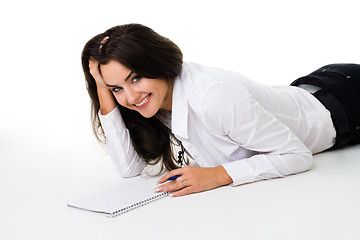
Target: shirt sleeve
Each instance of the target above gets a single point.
(119, 145)
(232, 111)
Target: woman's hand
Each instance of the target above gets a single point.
(94, 71)
(193, 179)
(106, 98)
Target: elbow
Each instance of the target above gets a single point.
(129, 172)
(307, 162)
(127, 175)
(128, 169)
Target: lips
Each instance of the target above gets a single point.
(143, 102)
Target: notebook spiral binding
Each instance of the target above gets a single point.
(139, 204)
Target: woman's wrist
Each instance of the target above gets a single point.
(106, 100)
(223, 177)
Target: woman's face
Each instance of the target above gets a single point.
(135, 92)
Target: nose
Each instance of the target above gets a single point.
(132, 96)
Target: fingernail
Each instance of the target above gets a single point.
(171, 195)
(156, 190)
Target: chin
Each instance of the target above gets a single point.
(147, 114)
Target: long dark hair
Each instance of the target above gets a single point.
(148, 54)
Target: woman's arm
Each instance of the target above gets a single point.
(119, 145)
(235, 114)
(106, 98)
(194, 179)
(118, 142)
(245, 121)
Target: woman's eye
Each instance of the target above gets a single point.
(136, 78)
(116, 89)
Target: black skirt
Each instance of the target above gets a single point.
(337, 87)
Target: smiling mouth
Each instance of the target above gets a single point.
(140, 104)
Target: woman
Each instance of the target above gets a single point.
(144, 99)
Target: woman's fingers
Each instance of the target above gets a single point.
(171, 186)
(94, 68)
(179, 171)
(95, 72)
(182, 192)
(178, 187)
(183, 181)
(193, 179)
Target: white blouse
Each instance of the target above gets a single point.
(254, 131)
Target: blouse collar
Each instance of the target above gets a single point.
(180, 108)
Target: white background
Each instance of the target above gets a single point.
(48, 155)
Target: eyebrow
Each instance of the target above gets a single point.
(126, 79)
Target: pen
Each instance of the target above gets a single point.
(173, 177)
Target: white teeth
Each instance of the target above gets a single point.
(143, 101)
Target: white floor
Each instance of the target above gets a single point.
(37, 182)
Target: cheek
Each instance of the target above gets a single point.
(120, 98)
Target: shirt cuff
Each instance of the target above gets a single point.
(240, 172)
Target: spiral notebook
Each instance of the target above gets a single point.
(118, 200)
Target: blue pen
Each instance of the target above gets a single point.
(173, 177)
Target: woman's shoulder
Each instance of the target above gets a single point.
(202, 83)
(200, 78)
